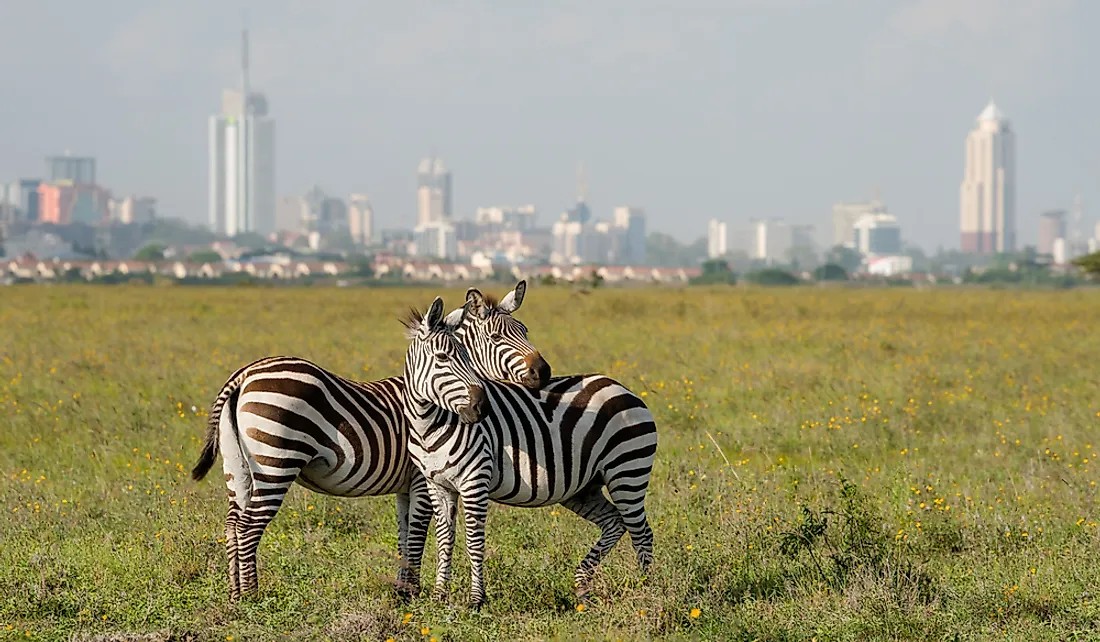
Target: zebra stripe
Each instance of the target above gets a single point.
(561, 445)
(282, 420)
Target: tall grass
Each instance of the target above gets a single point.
(838, 465)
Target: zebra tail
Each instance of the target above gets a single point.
(210, 448)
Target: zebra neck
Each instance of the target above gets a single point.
(425, 417)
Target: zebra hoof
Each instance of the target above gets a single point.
(439, 595)
(475, 605)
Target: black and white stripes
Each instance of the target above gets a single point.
(561, 445)
(282, 420)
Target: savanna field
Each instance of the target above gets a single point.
(833, 464)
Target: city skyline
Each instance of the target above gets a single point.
(787, 137)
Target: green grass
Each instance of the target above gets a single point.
(965, 424)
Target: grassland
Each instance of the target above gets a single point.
(838, 465)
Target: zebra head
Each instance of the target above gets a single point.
(438, 370)
(497, 341)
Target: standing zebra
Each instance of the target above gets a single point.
(283, 419)
(561, 445)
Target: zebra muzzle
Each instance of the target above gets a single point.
(477, 408)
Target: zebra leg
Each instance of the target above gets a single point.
(593, 506)
(419, 519)
(238, 482)
(475, 508)
(444, 502)
(231, 519)
(404, 591)
(268, 492)
(629, 498)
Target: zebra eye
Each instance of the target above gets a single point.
(496, 336)
(442, 356)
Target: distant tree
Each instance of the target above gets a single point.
(151, 252)
(803, 257)
(1089, 264)
(772, 276)
(250, 240)
(715, 271)
(845, 257)
(205, 256)
(830, 272)
(362, 266)
(170, 231)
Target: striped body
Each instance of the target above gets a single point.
(562, 444)
(282, 420)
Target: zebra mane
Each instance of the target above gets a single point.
(412, 320)
(491, 301)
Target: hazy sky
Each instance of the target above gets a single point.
(731, 109)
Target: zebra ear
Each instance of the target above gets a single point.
(434, 316)
(511, 301)
(475, 301)
(454, 320)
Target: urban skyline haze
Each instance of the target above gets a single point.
(749, 110)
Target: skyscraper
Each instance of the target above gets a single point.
(630, 245)
(433, 192)
(845, 216)
(242, 161)
(987, 208)
(78, 169)
(1052, 226)
(717, 239)
(360, 219)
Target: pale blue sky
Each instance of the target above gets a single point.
(728, 108)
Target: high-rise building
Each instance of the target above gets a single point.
(66, 202)
(436, 239)
(717, 239)
(134, 209)
(771, 241)
(333, 216)
(878, 235)
(292, 214)
(845, 215)
(630, 238)
(1052, 226)
(360, 219)
(433, 192)
(22, 197)
(242, 161)
(987, 208)
(78, 169)
(520, 218)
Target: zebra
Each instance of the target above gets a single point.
(497, 341)
(284, 419)
(482, 440)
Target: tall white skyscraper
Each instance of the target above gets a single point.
(717, 239)
(987, 209)
(242, 161)
(433, 192)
